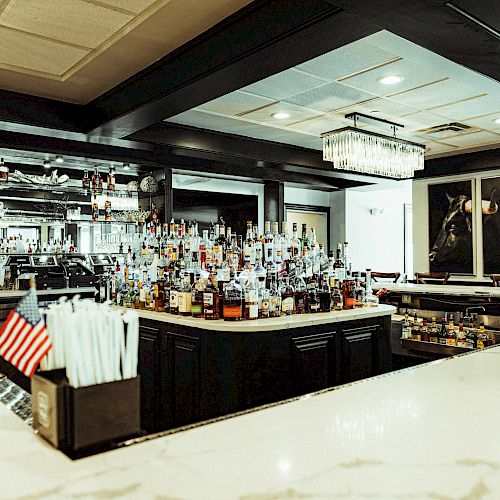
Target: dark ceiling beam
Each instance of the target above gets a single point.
(26, 110)
(262, 39)
(437, 27)
(469, 163)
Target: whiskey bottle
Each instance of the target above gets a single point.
(348, 294)
(233, 300)
(184, 297)
(107, 210)
(359, 293)
(482, 337)
(287, 297)
(211, 299)
(111, 179)
(461, 340)
(415, 329)
(443, 335)
(336, 298)
(301, 306)
(452, 336)
(86, 180)
(424, 331)
(406, 328)
(295, 242)
(433, 332)
(174, 296)
(197, 297)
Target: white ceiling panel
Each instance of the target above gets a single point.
(438, 93)
(321, 124)
(435, 147)
(471, 108)
(413, 74)
(474, 139)
(297, 113)
(329, 97)
(486, 121)
(421, 119)
(346, 60)
(380, 108)
(284, 84)
(236, 103)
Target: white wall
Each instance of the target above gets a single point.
(421, 221)
(377, 241)
(302, 196)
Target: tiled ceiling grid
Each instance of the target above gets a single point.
(319, 93)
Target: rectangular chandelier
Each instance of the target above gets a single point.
(366, 152)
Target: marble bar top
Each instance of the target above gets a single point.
(463, 290)
(14, 294)
(281, 323)
(426, 432)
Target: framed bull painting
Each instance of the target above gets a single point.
(450, 227)
(490, 197)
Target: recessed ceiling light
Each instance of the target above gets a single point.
(281, 115)
(391, 79)
(59, 159)
(497, 120)
(126, 166)
(46, 164)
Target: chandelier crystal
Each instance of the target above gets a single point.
(370, 153)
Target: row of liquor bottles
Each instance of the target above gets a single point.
(445, 334)
(96, 183)
(19, 245)
(244, 295)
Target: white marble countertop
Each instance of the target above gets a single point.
(40, 293)
(283, 322)
(487, 291)
(425, 432)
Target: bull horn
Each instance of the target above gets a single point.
(450, 198)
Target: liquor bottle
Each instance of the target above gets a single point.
(233, 300)
(277, 255)
(4, 171)
(336, 298)
(371, 300)
(111, 179)
(424, 331)
(406, 328)
(433, 332)
(359, 293)
(211, 299)
(323, 258)
(471, 339)
(251, 297)
(153, 216)
(461, 341)
(159, 292)
(197, 297)
(313, 298)
(301, 306)
(295, 242)
(184, 297)
(415, 329)
(348, 294)
(86, 180)
(307, 265)
(248, 246)
(443, 335)
(482, 337)
(452, 336)
(95, 179)
(347, 260)
(339, 265)
(174, 296)
(285, 243)
(287, 297)
(304, 240)
(274, 297)
(324, 294)
(107, 210)
(264, 295)
(95, 211)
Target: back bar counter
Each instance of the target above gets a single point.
(194, 369)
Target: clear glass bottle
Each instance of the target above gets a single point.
(301, 306)
(274, 297)
(287, 297)
(359, 293)
(371, 300)
(233, 300)
(338, 265)
(324, 294)
(251, 297)
(185, 296)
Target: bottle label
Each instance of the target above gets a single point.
(196, 309)
(184, 302)
(340, 274)
(349, 302)
(251, 296)
(253, 311)
(232, 311)
(480, 344)
(174, 299)
(208, 299)
(287, 305)
(265, 307)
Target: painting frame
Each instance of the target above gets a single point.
(489, 191)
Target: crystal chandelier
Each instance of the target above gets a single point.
(366, 152)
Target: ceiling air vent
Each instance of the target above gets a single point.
(448, 130)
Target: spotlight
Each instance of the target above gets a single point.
(59, 159)
(126, 166)
(46, 164)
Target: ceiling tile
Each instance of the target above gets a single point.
(379, 108)
(297, 113)
(56, 20)
(320, 124)
(329, 97)
(474, 139)
(435, 147)
(435, 94)
(486, 121)
(235, 103)
(421, 119)
(284, 84)
(132, 5)
(471, 108)
(50, 57)
(413, 74)
(346, 60)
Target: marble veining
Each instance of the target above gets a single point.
(284, 322)
(424, 432)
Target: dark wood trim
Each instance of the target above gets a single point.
(314, 208)
(469, 163)
(274, 201)
(169, 194)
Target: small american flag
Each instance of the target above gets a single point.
(23, 338)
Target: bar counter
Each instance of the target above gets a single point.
(458, 290)
(423, 432)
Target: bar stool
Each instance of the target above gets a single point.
(496, 279)
(392, 276)
(432, 278)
